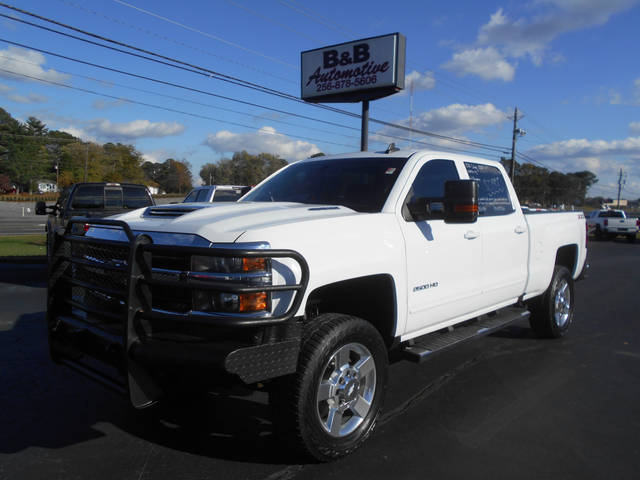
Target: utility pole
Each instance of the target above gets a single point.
(411, 116)
(364, 130)
(622, 179)
(210, 178)
(516, 131)
(86, 160)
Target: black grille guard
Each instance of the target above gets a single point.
(134, 296)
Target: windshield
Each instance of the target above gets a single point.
(361, 184)
(226, 195)
(612, 214)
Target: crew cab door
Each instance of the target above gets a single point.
(505, 238)
(443, 260)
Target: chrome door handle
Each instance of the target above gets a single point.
(520, 229)
(470, 235)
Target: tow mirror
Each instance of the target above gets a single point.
(41, 208)
(460, 201)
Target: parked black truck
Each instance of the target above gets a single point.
(94, 200)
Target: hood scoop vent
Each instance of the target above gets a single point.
(168, 211)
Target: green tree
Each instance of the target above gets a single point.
(171, 176)
(35, 127)
(241, 169)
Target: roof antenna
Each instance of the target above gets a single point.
(392, 148)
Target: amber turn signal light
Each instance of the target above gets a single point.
(254, 264)
(253, 302)
(465, 208)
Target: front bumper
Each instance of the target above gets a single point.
(102, 321)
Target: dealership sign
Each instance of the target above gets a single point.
(355, 71)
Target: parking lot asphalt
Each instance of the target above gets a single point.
(507, 406)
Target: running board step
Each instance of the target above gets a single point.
(425, 347)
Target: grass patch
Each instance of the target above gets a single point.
(23, 245)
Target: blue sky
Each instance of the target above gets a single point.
(570, 66)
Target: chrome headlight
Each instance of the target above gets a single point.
(249, 271)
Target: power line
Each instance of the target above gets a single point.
(200, 32)
(196, 115)
(227, 78)
(271, 20)
(173, 40)
(97, 80)
(183, 87)
(307, 12)
(206, 72)
(244, 102)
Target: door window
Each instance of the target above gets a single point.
(429, 185)
(202, 195)
(191, 197)
(493, 195)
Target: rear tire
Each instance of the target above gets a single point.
(631, 238)
(330, 406)
(552, 313)
(598, 233)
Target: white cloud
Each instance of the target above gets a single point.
(615, 98)
(532, 36)
(266, 140)
(605, 158)
(29, 98)
(27, 62)
(457, 118)
(420, 81)
(80, 133)
(100, 104)
(134, 129)
(587, 148)
(10, 94)
(161, 154)
(487, 63)
(634, 128)
(502, 39)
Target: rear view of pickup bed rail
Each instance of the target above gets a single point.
(309, 285)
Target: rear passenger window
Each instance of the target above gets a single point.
(136, 197)
(429, 185)
(88, 196)
(493, 195)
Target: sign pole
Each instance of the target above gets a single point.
(364, 134)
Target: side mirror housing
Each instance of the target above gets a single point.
(41, 208)
(460, 201)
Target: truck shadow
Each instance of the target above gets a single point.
(45, 405)
(28, 274)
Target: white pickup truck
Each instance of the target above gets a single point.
(606, 224)
(310, 284)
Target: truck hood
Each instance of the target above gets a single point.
(225, 222)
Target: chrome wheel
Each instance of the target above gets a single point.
(346, 389)
(562, 304)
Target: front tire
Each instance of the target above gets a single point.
(631, 238)
(552, 313)
(330, 406)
